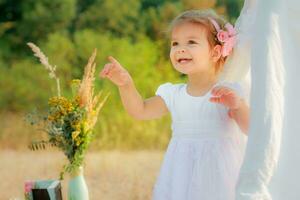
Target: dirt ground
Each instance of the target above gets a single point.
(111, 175)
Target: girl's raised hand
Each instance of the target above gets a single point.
(115, 72)
(226, 96)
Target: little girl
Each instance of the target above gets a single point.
(204, 155)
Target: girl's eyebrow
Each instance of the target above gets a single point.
(190, 37)
(193, 37)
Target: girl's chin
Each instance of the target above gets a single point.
(189, 70)
(184, 70)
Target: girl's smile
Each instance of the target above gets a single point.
(184, 60)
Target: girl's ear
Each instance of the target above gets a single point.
(216, 53)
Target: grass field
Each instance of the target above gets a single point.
(111, 175)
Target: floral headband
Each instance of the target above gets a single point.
(226, 37)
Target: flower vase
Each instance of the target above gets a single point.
(78, 189)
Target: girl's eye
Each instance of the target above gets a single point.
(192, 42)
(174, 44)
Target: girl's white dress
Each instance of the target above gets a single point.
(205, 152)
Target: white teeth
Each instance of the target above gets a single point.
(184, 60)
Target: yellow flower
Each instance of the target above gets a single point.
(93, 113)
(75, 134)
(64, 104)
(76, 101)
(76, 126)
(85, 127)
(78, 142)
(50, 118)
(75, 82)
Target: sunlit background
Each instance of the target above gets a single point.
(125, 154)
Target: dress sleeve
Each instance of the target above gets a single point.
(165, 91)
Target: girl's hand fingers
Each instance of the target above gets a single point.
(219, 91)
(224, 92)
(115, 72)
(106, 69)
(216, 99)
(216, 90)
(102, 73)
(230, 114)
(114, 61)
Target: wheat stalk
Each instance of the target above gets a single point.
(44, 61)
(86, 91)
(86, 88)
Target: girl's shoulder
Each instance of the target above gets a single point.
(167, 91)
(169, 87)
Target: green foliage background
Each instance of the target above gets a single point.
(67, 31)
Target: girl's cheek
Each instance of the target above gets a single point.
(172, 51)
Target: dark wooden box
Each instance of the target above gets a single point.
(46, 190)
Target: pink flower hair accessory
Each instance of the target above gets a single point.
(226, 37)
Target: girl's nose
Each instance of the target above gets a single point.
(181, 50)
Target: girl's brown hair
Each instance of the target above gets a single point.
(202, 17)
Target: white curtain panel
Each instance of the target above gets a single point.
(271, 168)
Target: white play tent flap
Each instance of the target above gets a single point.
(238, 63)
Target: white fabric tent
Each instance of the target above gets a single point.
(269, 34)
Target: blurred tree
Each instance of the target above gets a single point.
(198, 4)
(10, 13)
(155, 3)
(156, 20)
(62, 53)
(82, 5)
(32, 20)
(145, 4)
(24, 86)
(233, 8)
(45, 16)
(117, 17)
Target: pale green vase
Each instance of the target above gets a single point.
(78, 189)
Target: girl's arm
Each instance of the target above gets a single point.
(133, 103)
(241, 116)
(238, 108)
(138, 108)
